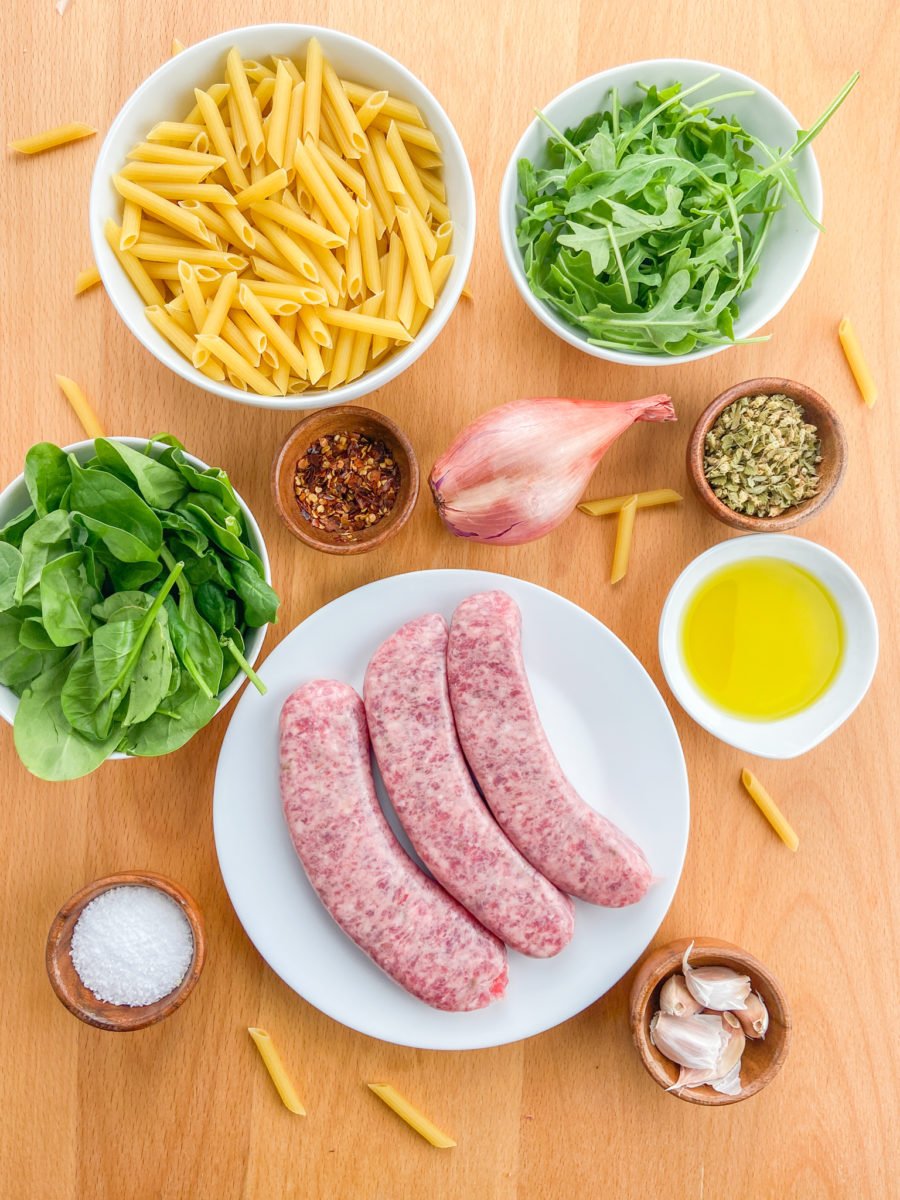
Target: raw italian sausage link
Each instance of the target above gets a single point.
(414, 738)
(403, 920)
(502, 737)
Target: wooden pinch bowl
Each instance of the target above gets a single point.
(343, 419)
(816, 411)
(118, 1018)
(762, 1058)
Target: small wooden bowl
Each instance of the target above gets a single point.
(118, 1018)
(817, 412)
(762, 1058)
(344, 418)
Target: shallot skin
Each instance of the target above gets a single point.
(515, 473)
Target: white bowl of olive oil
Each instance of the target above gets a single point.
(769, 642)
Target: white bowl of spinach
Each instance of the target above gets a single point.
(134, 598)
(662, 211)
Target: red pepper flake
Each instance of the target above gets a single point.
(346, 482)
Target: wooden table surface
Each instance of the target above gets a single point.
(185, 1109)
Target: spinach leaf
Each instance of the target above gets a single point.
(213, 481)
(215, 606)
(259, 600)
(18, 664)
(198, 568)
(110, 502)
(195, 642)
(46, 743)
(67, 599)
(98, 684)
(122, 545)
(223, 535)
(47, 475)
(14, 530)
(152, 676)
(173, 724)
(46, 539)
(10, 566)
(127, 576)
(123, 606)
(34, 635)
(160, 486)
(187, 529)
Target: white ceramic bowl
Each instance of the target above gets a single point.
(15, 499)
(168, 94)
(791, 240)
(796, 734)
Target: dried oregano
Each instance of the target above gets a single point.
(761, 456)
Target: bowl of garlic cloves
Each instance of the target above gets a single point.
(710, 1021)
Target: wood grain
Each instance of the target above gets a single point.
(185, 1109)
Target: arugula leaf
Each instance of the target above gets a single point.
(644, 225)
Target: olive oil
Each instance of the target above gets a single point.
(762, 638)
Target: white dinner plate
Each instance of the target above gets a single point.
(613, 736)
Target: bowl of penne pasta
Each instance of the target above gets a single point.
(283, 215)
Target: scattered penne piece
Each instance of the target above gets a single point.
(49, 139)
(416, 1120)
(624, 531)
(86, 279)
(80, 406)
(279, 1076)
(769, 809)
(177, 46)
(857, 362)
(613, 504)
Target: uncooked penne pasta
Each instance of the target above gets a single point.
(81, 407)
(624, 530)
(402, 1107)
(769, 809)
(243, 97)
(49, 139)
(177, 46)
(277, 1073)
(292, 231)
(418, 263)
(312, 99)
(856, 360)
(86, 279)
(613, 504)
(344, 110)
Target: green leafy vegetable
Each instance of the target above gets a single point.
(67, 598)
(647, 222)
(126, 589)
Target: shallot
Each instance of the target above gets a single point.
(517, 472)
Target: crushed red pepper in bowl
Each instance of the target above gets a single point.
(345, 479)
(345, 482)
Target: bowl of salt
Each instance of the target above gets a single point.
(126, 950)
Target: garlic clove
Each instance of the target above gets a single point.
(718, 988)
(675, 999)
(730, 1084)
(692, 1077)
(697, 1040)
(754, 1017)
(731, 1055)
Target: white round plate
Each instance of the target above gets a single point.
(613, 736)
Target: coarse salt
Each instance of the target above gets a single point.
(132, 945)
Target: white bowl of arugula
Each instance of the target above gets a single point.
(662, 210)
(134, 598)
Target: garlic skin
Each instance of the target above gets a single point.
(754, 1017)
(717, 988)
(675, 999)
(726, 1069)
(730, 1085)
(697, 1041)
(516, 472)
